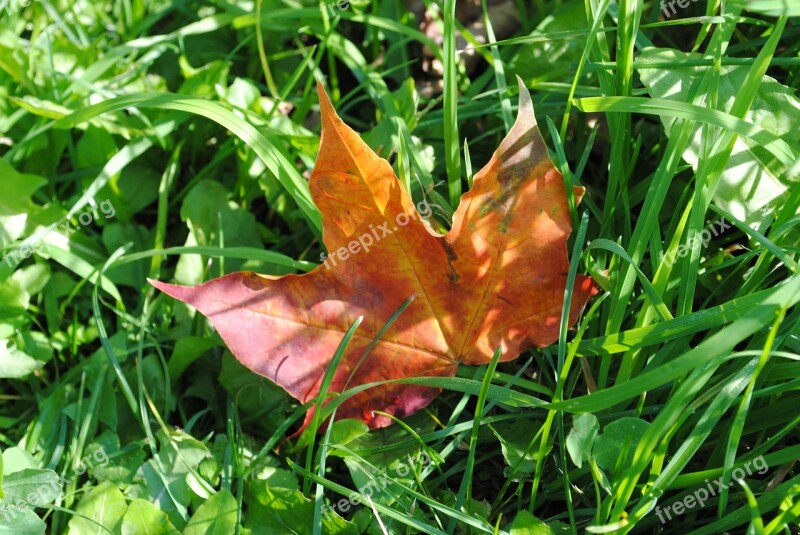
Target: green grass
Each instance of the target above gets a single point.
(679, 374)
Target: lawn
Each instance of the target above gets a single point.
(177, 141)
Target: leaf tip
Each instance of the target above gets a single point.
(579, 192)
(173, 290)
(525, 112)
(325, 105)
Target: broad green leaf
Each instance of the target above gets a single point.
(242, 94)
(17, 190)
(276, 510)
(104, 505)
(14, 301)
(126, 195)
(213, 220)
(581, 438)
(773, 8)
(381, 450)
(16, 459)
(527, 524)
(179, 456)
(260, 402)
(754, 182)
(36, 345)
(552, 59)
(384, 136)
(95, 147)
(186, 351)
(116, 235)
(346, 430)
(31, 487)
(15, 209)
(201, 82)
(278, 477)
(206, 206)
(386, 484)
(144, 518)
(32, 279)
(217, 516)
(20, 522)
(14, 364)
(615, 446)
(10, 62)
(121, 463)
(516, 440)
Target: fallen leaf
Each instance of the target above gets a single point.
(497, 279)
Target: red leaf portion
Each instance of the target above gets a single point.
(497, 279)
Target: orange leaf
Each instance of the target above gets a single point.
(497, 279)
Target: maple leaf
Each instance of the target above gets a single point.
(495, 280)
